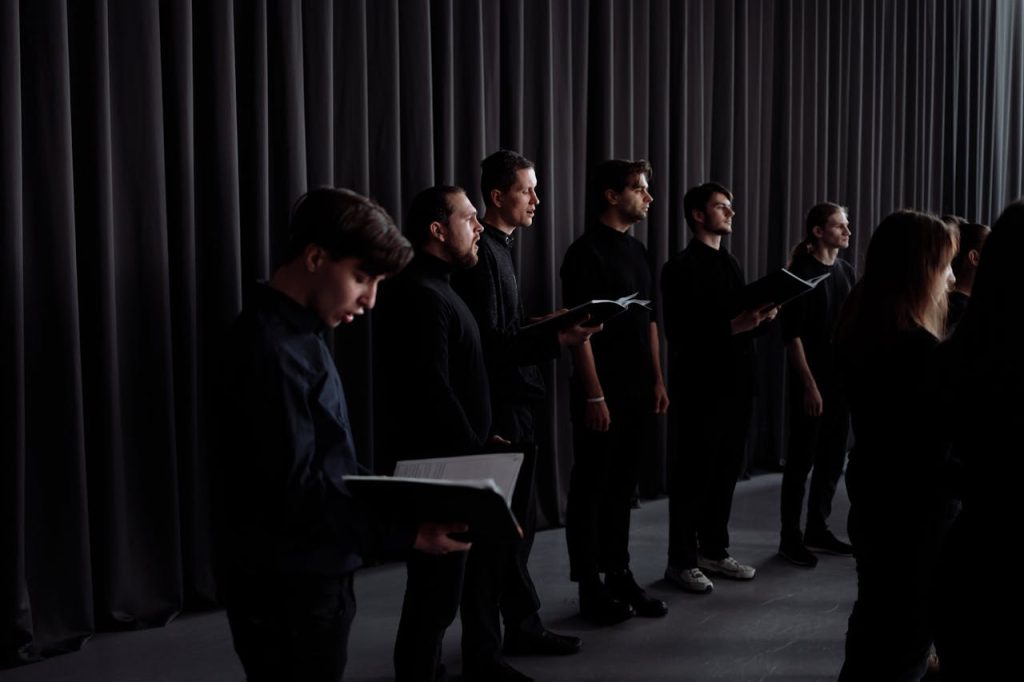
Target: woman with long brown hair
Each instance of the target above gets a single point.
(887, 343)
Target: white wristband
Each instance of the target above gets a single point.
(599, 399)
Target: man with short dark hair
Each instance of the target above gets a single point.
(289, 536)
(508, 182)
(711, 368)
(436, 402)
(616, 390)
(965, 266)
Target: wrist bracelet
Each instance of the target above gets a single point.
(599, 399)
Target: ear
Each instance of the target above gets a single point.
(611, 196)
(496, 198)
(313, 257)
(438, 231)
(698, 216)
(974, 257)
(817, 231)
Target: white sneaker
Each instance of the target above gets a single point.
(728, 567)
(690, 579)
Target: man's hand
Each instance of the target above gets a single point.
(660, 398)
(432, 538)
(751, 319)
(577, 334)
(596, 417)
(813, 403)
(495, 439)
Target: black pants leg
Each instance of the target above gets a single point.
(292, 627)
(519, 603)
(710, 444)
(601, 486)
(897, 551)
(828, 461)
(432, 593)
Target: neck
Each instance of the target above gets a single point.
(825, 255)
(615, 221)
(712, 240)
(437, 250)
(289, 281)
(492, 218)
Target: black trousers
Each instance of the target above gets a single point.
(601, 487)
(818, 442)
(433, 589)
(498, 585)
(292, 627)
(896, 545)
(711, 436)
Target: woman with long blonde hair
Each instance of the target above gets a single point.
(887, 343)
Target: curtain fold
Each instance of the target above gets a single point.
(150, 153)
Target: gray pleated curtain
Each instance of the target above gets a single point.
(150, 151)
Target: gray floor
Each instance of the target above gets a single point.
(787, 624)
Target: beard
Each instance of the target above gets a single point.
(462, 259)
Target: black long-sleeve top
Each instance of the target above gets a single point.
(605, 264)
(491, 291)
(897, 409)
(286, 443)
(700, 289)
(812, 317)
(435, 395)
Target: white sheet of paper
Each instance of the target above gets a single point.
(500, 467)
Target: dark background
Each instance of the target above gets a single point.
(150, 151)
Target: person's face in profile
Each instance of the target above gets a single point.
(835, 234)
(343, 289)
(519, 202)
(462, 232)
(718, 215)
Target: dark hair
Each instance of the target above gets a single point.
(498, 171)
(347, 225)
(988, 331)
(953, 220)
(907, 253)
(428, 206)
(615, 174)
(817, 217)
(972, 236)
(697, 198)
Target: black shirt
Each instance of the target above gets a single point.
(700, 288)
(491, 291)
(813, 316)
(897, 412)
(607, 264)
(286, 444)
(435, 395)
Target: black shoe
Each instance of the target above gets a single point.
(599, 606)
(827, 543)
(623, 586)
(794, 551)
(542, 643)
(499, 671)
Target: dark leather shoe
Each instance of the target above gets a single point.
(499, 671)
(623, 586)
(542, 643)
(600, 607)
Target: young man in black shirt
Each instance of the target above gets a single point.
(435, 401)
(965, 266)
(289, 535)
(711, 366)
(616, 390)
(819, 415)
(508, 182)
